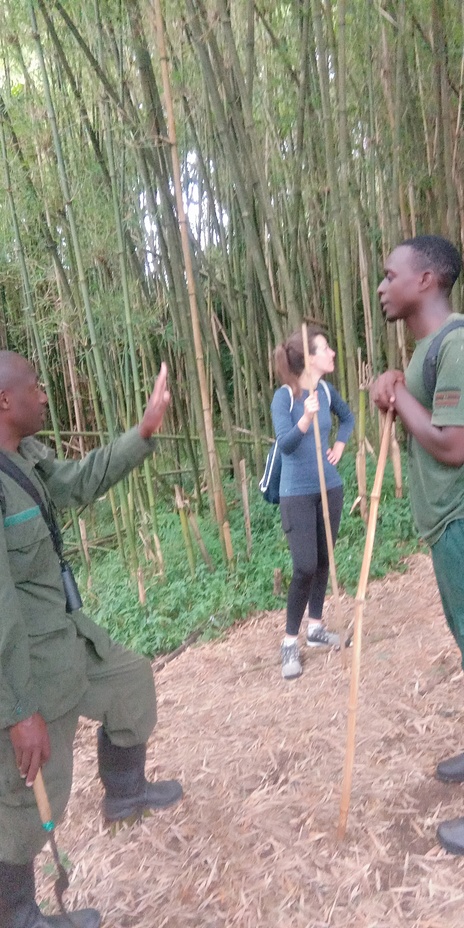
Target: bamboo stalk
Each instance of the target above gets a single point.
(199, 540)
(218, 494)
(358, 617)
(95, 355)
(180, 504)
(396, 461)
(338, 197)
(159, 554)
(246, 507)
(128, 313)
(364, 279)
(325, 504)
(148, 551)
(84, 541)
(141, 586)
(199, 34)
(337, 312)
(243, 122)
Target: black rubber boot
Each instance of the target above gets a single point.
(451, 835)
(127, 792)
(18, 908)
(451, 770)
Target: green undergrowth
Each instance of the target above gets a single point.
(181, 604)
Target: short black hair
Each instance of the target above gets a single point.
(440, 255)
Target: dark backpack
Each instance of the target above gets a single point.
(429, 368)
(270, 481)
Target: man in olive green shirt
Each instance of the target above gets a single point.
(419, 277)
(56, 665)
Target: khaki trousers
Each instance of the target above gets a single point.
(120, 695)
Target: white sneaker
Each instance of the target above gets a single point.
(319, 637)
(291, 664)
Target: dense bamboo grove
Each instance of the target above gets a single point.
(189, 180)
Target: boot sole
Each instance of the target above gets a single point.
(445, 779)
(136, 812)
(451, 848)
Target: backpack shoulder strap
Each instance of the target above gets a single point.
(323, 385)
(429, 367)
(291, 394)
(2, 500)
(327, 391)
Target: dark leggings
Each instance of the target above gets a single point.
(303, 524)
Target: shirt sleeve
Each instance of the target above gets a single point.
(344, 415)
(17, 695)
(448, 400)
(76, 483)
(288, 435)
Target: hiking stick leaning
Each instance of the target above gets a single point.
(48, 825)
(325, 504)
(358, 617)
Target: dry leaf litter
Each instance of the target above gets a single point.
(253, 842)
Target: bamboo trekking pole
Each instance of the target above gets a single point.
(325, 504)
(358, 617)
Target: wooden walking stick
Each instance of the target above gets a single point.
(48, 825)
(325, 504)
(358, 617)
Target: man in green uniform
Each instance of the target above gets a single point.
(54, 664)
(419, 277)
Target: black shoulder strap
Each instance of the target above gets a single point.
(429, 368)
(9, 467)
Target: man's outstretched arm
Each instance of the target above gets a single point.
(79, 482)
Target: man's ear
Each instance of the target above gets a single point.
(4, 400)
(428, 279)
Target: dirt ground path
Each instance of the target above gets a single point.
(252, 844)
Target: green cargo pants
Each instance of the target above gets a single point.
(447, 557)
(120, 695)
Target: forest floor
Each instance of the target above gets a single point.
(253, 842)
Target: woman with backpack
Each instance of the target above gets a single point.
(302, 395)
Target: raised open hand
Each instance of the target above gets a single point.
(158, 402)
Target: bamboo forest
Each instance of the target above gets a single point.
(188, 181)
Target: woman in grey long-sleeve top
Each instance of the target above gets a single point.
(293, 410)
